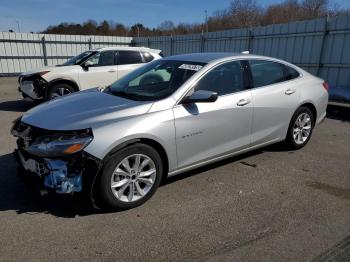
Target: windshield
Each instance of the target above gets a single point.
(154, 81)
(77, 60)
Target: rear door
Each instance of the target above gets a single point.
(207, 130)
(275, 98)
(102, 70)
(128, 60)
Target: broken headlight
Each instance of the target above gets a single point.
(58, 145)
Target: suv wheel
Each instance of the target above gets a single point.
(59, 90)
(131, 177)
(300, 128)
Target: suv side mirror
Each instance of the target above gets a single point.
(201, 96)
(86, 65)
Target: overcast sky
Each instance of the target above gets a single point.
(36, 15)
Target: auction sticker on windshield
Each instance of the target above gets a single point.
(191, 67)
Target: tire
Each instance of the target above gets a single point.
(297, 139)
(120, 197)
(58, 90)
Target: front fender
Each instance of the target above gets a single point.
(157, 126)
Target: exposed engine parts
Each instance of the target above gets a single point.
(57, 174)
(58, 177)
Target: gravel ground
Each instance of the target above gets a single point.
(267, 205)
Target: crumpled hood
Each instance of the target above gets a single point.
(50, 69)
(86, 109)
(38, 70)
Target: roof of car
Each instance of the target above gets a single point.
(210, 57)
(126, 48)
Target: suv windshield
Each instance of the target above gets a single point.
(77, 60)
(154, 81)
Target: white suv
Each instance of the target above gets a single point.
(94, 68)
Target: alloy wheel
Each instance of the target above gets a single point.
(302, 128)
(61, 91)
(133, 178)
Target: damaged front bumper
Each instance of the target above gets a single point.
(55, 160)
(75, 174)
(27, 89)
(55, 174)
(33, 86)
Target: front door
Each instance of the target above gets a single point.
(101, 72)
(207, 130)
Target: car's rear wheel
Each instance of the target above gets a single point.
(58, 90)
(300, 128)
(131, 177)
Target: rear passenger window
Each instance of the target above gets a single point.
(266, 72)
(106, 58)
(291, 73)
(129, 57)
(147, 57)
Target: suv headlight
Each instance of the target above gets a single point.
(58, 145)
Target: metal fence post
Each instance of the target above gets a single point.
(148, 42)
(320, 56)
(133, 42)
(43, 44)
(249, 40)
(171, 45)
(90, 43)
(202, 42)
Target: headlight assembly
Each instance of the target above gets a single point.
(58, 145)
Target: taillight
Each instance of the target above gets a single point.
(326, 86)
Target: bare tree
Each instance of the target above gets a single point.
(287, 11)
(166, 25)
(314, 8)
(244, 13)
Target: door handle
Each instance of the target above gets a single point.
(243, 102)
(112, 71)
(290, 91)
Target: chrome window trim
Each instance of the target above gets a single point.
(301, 75)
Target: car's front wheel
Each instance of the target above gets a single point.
(131, 177)
(300, 128)
(58, 90)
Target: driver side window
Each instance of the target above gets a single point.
(106, 58)
(224, 79)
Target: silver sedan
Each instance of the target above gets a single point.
(170, 116)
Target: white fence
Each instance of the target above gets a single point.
(321, 46)
(20, 52)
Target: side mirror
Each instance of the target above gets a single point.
(86, 65)
(201, 96)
